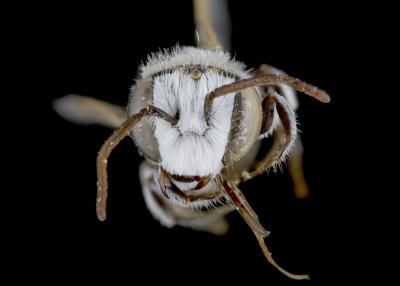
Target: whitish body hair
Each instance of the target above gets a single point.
(187, 56)
(192, 147)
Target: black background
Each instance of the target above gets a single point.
(95, 51)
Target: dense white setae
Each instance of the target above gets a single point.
(192, 147)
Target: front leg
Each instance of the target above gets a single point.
(283, 140)
(295, 160)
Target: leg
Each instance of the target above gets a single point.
(295, 163)
(295, 160)
(236, 197)
(283, 141)
(155, 204)
(86, 110)
(203, 16)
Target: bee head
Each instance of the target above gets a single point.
(202, 141)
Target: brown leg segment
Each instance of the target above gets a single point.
(237, 198)
(242, 206)
(269, 106)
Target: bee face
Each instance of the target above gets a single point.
(194, 146)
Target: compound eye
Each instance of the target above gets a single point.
(143, 133)
(245, 126)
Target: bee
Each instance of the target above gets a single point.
(198, 117)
